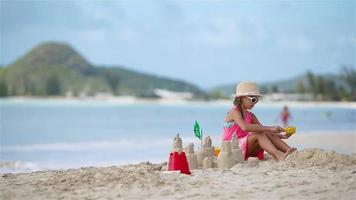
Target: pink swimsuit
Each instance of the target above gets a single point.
(231, 128)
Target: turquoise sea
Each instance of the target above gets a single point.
(45, 134)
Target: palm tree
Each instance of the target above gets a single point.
(348, 75)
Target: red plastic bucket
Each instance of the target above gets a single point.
(178, 161)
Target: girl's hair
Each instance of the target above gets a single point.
(237, 103)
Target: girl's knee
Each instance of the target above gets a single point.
(253, 137)
(260, 134)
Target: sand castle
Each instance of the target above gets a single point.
(208, 162)
(177, 158)
(236, 151)
(177, 144)
(206, 151)
(230, 154)
(191, 157)
(225, 158)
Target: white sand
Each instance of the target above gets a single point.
(342, 142)
(308, 174)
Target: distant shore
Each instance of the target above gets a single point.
(134, 100)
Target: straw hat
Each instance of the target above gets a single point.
(247, 89)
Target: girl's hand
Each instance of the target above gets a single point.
(283, 136)
(277, 129)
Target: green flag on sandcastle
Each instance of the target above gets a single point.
(197, 130)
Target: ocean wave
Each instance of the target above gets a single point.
(79, 146)
(18, 167)
(139, 144)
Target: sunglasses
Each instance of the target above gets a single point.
(253, 99)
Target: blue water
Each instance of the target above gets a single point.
(51, 134)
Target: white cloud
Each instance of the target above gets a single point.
(218, 32)
(225, 32)
(222, 32)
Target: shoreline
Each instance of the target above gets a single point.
(342, 143)
(135, 100)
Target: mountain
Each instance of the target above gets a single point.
(57, 69)
(51, 54)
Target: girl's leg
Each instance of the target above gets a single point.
(278, 143)
(285, 123)
(260, 140)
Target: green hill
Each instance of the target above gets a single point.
(57, 69)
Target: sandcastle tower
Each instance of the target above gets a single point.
(177, 158)
(225, 158)
(206, 151)
(177, 144)
(236, 151)
(191, 157)
(208, 163)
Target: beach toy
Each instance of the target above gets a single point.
(177, 158)
(178, 161)
(216, 151)
(290, 130)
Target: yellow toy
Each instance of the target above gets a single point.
(290, 130)
(216, 151)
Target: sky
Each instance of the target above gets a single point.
(207, 43)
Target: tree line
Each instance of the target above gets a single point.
(323, 88)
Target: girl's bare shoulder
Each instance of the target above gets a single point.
(233, 112)
(230, 114)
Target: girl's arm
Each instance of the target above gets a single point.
(282, 136)
(255, 121)
(256, 127)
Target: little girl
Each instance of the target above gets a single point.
(285, 116)
(254, 138)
